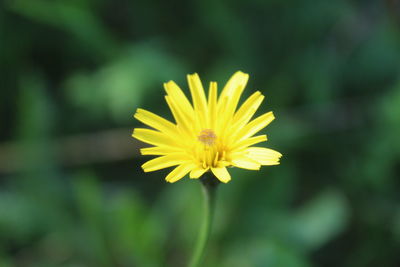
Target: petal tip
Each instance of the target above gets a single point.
(144, 168)
(224, 181)
(222, 174)
(194, 74)
(272, 115)
(134, 132)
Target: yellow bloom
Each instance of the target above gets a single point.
(211, 134)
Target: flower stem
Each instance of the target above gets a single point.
(210, 183)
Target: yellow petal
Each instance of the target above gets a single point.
(245, 163)
(198, 97)
(247, 110)
(184, 122)
(230, 96)
(220, 125)
(235, 86)
(249, 142)
(155, 121)
(234, 89)
(158, 150)
(178, 96)
(264, 156)
(222, 174)
(212, 105)
(154, 137)
(164, 162)
(197, 172)
(255, 126)
(179, 172)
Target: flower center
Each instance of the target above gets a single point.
(207, 137)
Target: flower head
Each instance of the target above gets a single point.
(209, 135)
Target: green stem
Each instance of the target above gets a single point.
(210, 184)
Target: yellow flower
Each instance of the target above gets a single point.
(210, 135)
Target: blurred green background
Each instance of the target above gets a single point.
(73, 73)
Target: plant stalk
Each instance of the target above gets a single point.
(209, 185)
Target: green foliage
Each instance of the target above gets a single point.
(73, 73)
(123, 84)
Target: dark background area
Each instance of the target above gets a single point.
(72, 192)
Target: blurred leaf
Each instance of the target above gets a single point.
(133, 231)
(70, 16)
(319, 221)
(5, 262)
(119, 88)
(19, 218)
(262, 252)
(89, 199)
(35, 110)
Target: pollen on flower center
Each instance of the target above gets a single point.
(207, 137)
